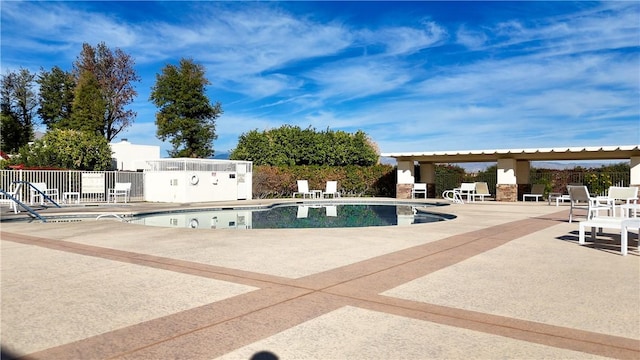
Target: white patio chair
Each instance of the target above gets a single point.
(537, 192)
(616, 196)
(303, 189)
(419, 188)
(331, 189)
(468, 190)
(36, 191)
(580, 199)
(119, 189)
(16, 193)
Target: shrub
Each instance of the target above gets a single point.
(280, 181)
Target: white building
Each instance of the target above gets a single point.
(129, 157)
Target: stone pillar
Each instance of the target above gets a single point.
(403, 191)
(506, 186)
(405, 179)
(428, 176)
(507, 192)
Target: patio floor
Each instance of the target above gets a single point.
(502, 280)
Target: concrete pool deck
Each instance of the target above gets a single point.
(502, 280)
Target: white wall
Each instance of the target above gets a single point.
(130, 157)
(193, 186)
(405, 172)
(506, 171)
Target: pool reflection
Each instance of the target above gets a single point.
(299, 216)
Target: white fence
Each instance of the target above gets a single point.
(189, 164)
(89, 186)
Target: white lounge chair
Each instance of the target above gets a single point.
(303, 189)
(40, 191)
(419, 188)
(119, 189)
(453, 196)
(537, 192)
(331, 189)
(580, 199)
(482, 190)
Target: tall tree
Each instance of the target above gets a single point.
(185, 116)
(115, 73)
(55, 96)
(88, 108)
(17, 108)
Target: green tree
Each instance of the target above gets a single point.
(185, 116)
(114, 71)
(17, 107)
(55, 96)
(68, 149)
(88, 106)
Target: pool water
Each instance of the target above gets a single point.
(296, 216)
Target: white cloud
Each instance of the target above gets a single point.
(357, 78)
(534, 80)
(406, 40)
(472, 39)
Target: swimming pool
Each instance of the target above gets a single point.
(302, 215)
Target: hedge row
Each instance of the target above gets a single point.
(280, 181)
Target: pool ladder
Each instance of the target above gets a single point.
(107, 215)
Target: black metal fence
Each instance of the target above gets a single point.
(555, 181)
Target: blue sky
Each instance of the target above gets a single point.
(415, 76)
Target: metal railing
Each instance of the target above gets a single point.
(597, 183)
(74, 185)
(196, 165)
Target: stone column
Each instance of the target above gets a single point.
(405, 179)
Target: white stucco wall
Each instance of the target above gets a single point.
(506, 171)
(193, 186)
(186, 180)
(405, 172)
(635, 170)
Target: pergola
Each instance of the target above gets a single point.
(513, 165)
